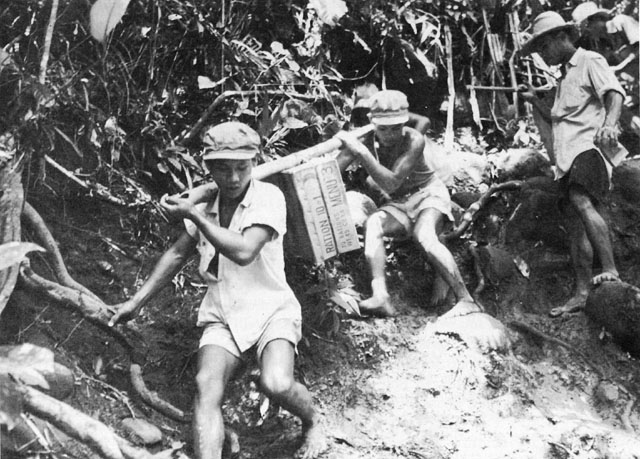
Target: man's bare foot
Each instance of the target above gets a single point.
(575, 304)
(605, 276)
(439, 292)
(463, 308)
(315, 442)
(378, 306)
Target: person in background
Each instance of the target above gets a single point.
(617, 38)
(418, 201)
(584, 120)
(362, 106)
(248, 304)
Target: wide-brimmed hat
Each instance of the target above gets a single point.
(389, 107)
(544, 24)
(230, 140)
(585, 10)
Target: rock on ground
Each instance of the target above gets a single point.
(616, 306)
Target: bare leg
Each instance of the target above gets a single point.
(441, 259)
(379, 224)
(276, 380)
(439, 292)
(582, 260)
(597, 232)
(215, 368)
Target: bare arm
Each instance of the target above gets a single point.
(241, 248)
(527, 93)
(387, 179)
(165, 269)
(419, 123)
(607, 135)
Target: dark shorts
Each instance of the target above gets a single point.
(589, 172)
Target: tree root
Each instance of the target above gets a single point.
(93, 310)
(35, 222)
(96, 312)
(526, 328)
(95, 434)
(151, 398)
(471, 213)
(72, 294)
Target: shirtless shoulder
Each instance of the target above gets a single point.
(414, 140)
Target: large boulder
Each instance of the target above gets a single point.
(626, 180)
(616, 306)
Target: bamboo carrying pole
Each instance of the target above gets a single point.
(205, 192)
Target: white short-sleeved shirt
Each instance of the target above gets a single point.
(579, 111)
(625, 24)
(245, 298)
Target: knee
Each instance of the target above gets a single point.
(275, 384)
(210, 388)
(374, 225)
(427, 239)
(580, 200)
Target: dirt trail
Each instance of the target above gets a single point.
(389, 388)
(439, 398)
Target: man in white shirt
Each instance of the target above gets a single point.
(584, 121)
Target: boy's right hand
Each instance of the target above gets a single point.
(123, 312)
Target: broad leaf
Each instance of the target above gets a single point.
(14, 252)
(10, 402)
(27, 363)
(105, 15)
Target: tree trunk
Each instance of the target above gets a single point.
(11, 199)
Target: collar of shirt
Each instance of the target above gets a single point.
(571, 62)
(213, 207)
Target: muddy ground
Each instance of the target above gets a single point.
(388, 388)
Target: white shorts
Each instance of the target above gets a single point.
(219, 334)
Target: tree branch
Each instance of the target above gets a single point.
(101, 191)
(471, 213)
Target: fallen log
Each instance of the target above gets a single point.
(616, 307)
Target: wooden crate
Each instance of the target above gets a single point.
(319, 224)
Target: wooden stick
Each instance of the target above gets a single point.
(448, 135)
(100, 190)
(503, 88)
(206, 192)
(47, 41)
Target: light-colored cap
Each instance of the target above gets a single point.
(230, 140)
(389, 107)
(585, 10)
(544, 24)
